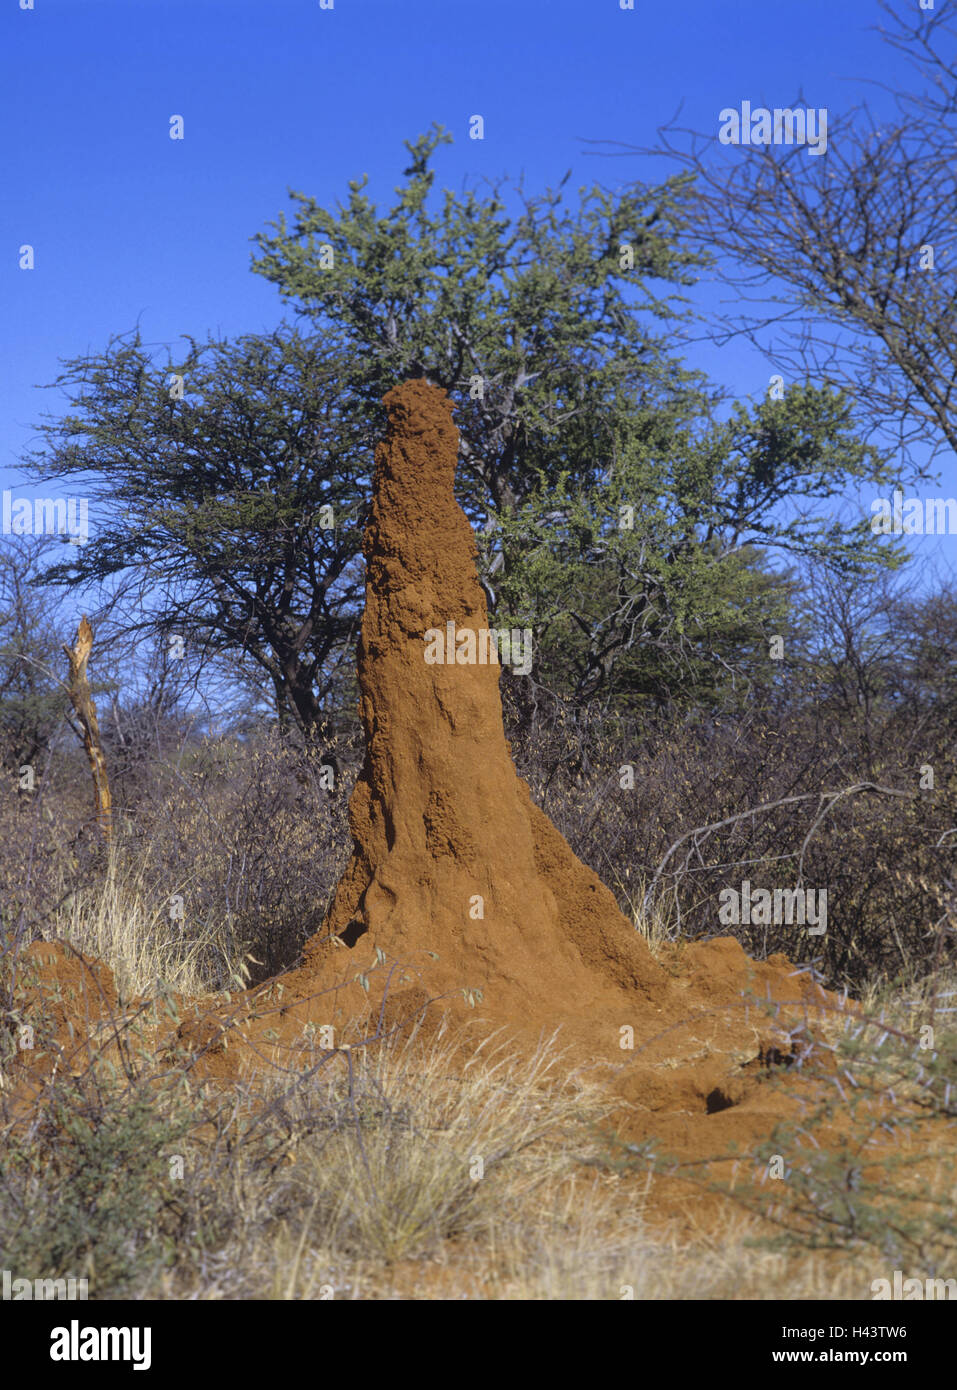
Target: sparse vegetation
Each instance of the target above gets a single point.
(368, 1185)
(215, 1083)
(867, 1173)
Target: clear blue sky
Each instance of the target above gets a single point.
(129, 226)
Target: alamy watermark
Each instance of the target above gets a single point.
(778, 907)
(17, 1290)
(76, 1343)
(928, 516)
(46, 516)
(783, 125)
(912, 1289)
(467, 646)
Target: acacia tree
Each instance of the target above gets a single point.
(657, 585)
(225, 491)
(206, 499)
(537, 324)
(570, 406)
(843, 266)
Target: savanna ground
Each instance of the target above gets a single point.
(360, 1180)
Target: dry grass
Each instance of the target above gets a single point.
(424, 1172)
(383, 1200)
(123, 921)
(427, 1170)
(225, 865)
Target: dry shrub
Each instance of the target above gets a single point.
(221, 870)
(867, 1171)
(885, 860)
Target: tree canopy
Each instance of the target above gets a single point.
(843, 268)
(229, 486)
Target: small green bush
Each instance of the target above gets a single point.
(84, 1189)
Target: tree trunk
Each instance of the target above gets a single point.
(79, 688)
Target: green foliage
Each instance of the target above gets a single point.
(655, 582)
(537, 307)
(83, 1194)
(32, 699)
(543, 322)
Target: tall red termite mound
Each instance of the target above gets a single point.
(457, 874)
(450, 854)
(458, 882)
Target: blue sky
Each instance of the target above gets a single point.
(129, 226)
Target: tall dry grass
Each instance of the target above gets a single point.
(427, 1170)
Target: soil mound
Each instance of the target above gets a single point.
(459, 884)
(460, 890)
(450, 854)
